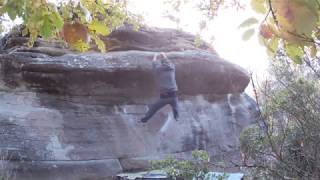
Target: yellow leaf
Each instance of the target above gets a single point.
(99, 43)
(25, 32)
(80, 46)
(296, 17)
(99, 28)
(313, 51)
(33, 37)
(259, 6)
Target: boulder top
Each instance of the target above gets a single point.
(124, 38)
(125, 71)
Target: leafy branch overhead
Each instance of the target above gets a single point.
(78, 23)
(292, 25)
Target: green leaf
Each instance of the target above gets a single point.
(259, 6)
(46, 29)
(57, 20)
(99, 28)
(273, 44)
(247, 34)
(294, 52)
(248, 22)
(11, 13)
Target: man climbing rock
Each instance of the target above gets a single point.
(164, 74)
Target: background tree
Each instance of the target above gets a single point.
(285, 142)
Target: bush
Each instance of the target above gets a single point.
(285, 144)
(196, 168)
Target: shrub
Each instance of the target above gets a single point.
(195, 168)
(285, 144)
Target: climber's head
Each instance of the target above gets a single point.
(163, 58)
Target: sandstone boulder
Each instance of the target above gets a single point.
(75, 115)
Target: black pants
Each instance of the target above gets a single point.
(167, 98)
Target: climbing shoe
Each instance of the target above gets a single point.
(143, 120)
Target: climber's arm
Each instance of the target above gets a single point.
(154, 62)
(168, 65)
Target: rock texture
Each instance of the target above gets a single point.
(153, 39)
(74, 115)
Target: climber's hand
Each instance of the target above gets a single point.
(155, 57)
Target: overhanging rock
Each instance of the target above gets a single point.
(127, 74)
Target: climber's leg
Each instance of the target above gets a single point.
(175, 107)
(154, 108)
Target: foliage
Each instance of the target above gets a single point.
(48, 20)
(285, 143)
(289, 24)
(196, 168)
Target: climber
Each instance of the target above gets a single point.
(164, 74)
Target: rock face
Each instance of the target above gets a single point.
(74, 115)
